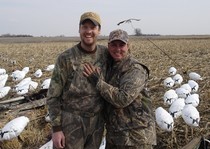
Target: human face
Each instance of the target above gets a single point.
(118, 50)
(88, 33)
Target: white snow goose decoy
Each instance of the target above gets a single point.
(164, 120)
(172, 71)
(38, 73)
(13, 128)
(168, 82)
(3, 80)
(195, 76)
(170, 96)
(191, 115)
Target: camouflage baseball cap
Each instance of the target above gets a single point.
(94, 17)
(118, 35)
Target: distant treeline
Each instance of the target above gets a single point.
(9, 35)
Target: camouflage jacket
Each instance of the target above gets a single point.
(128, 108)
(69, 90)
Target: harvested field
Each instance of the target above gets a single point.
(187, 54)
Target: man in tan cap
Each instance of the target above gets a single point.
(74, 104)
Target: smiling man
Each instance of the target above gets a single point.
(74, 104)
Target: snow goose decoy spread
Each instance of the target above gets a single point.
(164, 120)
(13, 128)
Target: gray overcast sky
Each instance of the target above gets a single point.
(61, 17)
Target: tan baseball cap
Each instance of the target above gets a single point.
(118, 35)
(94, 17)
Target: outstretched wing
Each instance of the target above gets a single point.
(128, 21)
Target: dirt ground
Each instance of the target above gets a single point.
(186, 53)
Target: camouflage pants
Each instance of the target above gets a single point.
(144, 146)
(131, 139)
(82, 132)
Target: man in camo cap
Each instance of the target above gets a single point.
(130, 121)
(75, 106)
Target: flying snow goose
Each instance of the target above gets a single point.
(4, 91)
(168, 82)
(194, 86)
(193, 99)
(164, 120)
(50, 67)
(176, 108)
(191, 115)
(38, 73)
(178, 79)
(13, 128)
(46, 83)
(172, 71)
(170, 96)
(3, 80)
(195, 76)
(2, 71)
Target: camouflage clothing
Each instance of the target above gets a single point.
(130, 120)
(71, 92)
